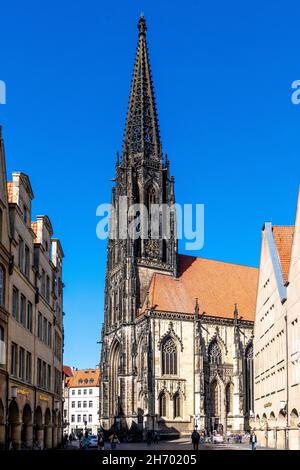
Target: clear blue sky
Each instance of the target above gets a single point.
(222, 75)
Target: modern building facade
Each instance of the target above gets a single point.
(276, 341)
(177, 334)
(31, 319)
(81, 401)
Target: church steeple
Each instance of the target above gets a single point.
(144, 180)
(142, 132)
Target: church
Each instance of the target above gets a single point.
(177, 338)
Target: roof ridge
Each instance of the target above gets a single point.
(219, 261)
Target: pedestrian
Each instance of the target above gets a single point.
(114, 441)
(149, 438)
(100, 441)
(85, 441)
(253, 440)
(65, 441)
(195, 439)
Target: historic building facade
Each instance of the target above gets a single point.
(81, 400)
(177, 334)
(31, 319)
(277, 338)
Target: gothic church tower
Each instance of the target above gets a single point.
(142, 177)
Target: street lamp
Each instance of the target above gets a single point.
(282, 405)
(14, 392)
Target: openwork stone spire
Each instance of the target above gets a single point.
(142, 132)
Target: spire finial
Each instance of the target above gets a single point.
(196, 308)
(142, 24)
(235, 313)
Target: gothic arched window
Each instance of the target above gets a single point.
(214, 353)
(177, 405)
(151, 200)
(248, 374)
(2, 285)
(163, 404)
(169, 357)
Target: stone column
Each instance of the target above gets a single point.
(40, 437)
(54, 437)
(2, 436)
(48, 436)
(28, 435)
(58, 435)
(16, 435)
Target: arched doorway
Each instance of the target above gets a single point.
(215, 407)
(294, 418)
(272, 430)
(281, 433)
(2, 426)
(114, 363)
(47, 430)
(294, 430)
(27, 428)
(38, 427)
(14, 425)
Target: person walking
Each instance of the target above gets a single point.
(85, 441)
(149, 438)
(253, 440)
(114, 441)
(195, 439)
(100, 441)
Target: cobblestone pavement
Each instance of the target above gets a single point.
(178, 444)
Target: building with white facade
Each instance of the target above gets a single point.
(276, 338)
(81, 400)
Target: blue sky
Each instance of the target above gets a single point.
(222, 75)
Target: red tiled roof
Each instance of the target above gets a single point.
(283, 237)
(68, 372)
(217, 285)
(85, 378)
